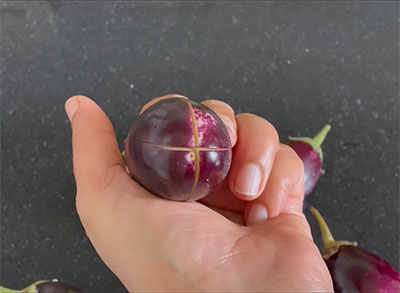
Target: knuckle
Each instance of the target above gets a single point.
(296, 162)
(291, 165)
(298, 170)
(262, 125)
(271, 133)
(286, 147)
(274, 134)
(299, 165)
(247, 116)
(218, 104)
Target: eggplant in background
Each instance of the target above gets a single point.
(310, 152)
(354, 269)
(45, 286)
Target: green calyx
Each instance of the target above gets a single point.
(331, 246)
(30, 289)
(315, 142)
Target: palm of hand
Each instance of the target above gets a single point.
(158, 245)
(202, 249)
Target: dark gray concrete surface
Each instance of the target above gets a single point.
(298, 64)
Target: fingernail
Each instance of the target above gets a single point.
(70, 107)
(248, 180)
(257, 214)
(229, 125)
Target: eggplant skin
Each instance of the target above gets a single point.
(356, 270)
(57, 287)
(154, 159)
(312, 165)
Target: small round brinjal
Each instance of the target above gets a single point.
(45, 286)
(178, 149)
(354, 269)
(310, 152)
(56, 287)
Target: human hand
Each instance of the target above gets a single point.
(153, 244)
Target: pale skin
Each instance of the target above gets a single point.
(248, 235)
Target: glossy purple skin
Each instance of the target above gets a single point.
(356, 270)
(154, 161)
(57, 287)
(312, 164)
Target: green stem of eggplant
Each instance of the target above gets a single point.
(315, 142)
(6, 290)
(331, 246)
(320, 137)
(30, 289)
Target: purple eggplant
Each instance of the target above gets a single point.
(56, 287)
(45, 286)
(310, 152)
(354, 269)
(178, 149)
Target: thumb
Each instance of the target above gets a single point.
(95, 148)
(97, 160)
(112, 207)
